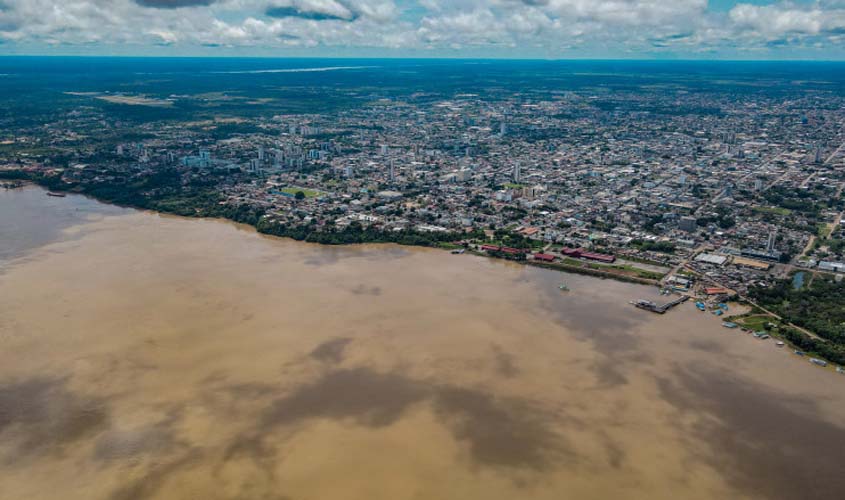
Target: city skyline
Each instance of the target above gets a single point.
(542, 29)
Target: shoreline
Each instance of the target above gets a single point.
(272, 230)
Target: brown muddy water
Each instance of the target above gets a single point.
(156, 357)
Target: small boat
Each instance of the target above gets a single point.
(723, 307)
(841, 370)
(56, 195)
(817, 361)
(728, 324)
(799, 353)
(458, 251)
(700, 305)
(563, 287)
(779, 343)
(718, 312)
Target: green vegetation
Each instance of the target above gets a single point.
(654, 246)
(25, 149)
(505, 238)
(306, 193)
(796, 200)
(823, 230)
(722, 218)
(355, 233)
(643, 273)
(818, 308)
(578, 267)
(756, 322)
(772, 210)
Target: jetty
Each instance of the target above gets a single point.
(660, 309)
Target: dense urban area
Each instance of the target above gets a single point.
(709, 194)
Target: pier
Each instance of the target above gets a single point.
(651, 306)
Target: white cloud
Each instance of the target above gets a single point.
(550, 26)
(778, 20)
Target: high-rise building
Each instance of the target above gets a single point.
(770, 245)
(385, 149)
(517, 173)
(260, 154)
(392, 175)
(688, 224)
(819, 158)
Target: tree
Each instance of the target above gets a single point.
(299, 196)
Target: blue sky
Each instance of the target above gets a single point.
(558, 29)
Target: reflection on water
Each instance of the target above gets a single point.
(29, 218)
(159, 357)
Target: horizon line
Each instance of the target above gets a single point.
(421, 58)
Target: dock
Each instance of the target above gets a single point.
(652, 307)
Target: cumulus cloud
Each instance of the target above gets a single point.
(315, 10)
(785, 19)
(173, 4)
(548, 27)
(283, 12)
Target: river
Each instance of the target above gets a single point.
(147, 356)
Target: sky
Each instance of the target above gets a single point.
(553, 29)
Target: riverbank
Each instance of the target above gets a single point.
(208, 205)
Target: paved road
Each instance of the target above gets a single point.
(686, 261)
(835, 154)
